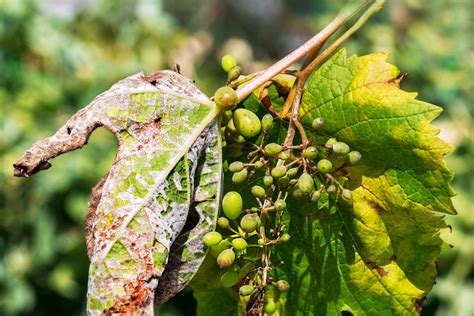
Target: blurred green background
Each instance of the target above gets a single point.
(56, 55)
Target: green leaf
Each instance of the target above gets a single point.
(379, 257)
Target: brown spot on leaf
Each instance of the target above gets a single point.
(376, 207)
(418, 304)
(382, 272)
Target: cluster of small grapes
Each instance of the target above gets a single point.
(279, 172)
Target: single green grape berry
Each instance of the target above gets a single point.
(245, 290)
(270, 307)
(279, 205)
(267, 122)
(318, 123)
(226, 258)
(353, 158)
(293, 182)
(226, 98)
(232, 204)
(346, 196)
(283, 182)
(239, 244)
(267, 181)
(283, 286)
(331, 141)
(236, 166)
(234, 73)
(228, 62)
(240, 176)
(272, 149)
(285, 237)
(223, 222)
(297, 194)
(284, 155)
(315, 196)
(230, 133)
(229, 278)
(249, 222)
(324, 166)
(340, 148)
(278, 172)
(258, 164)
(258, 191)
(216, 250)
(226, 117)
(247, 123)
(212, 239)
(311, 152)
(261, 242)
(254, 209)
(331, 189)
(292, 172)
(305, 183)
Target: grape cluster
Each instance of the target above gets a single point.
(279, 172)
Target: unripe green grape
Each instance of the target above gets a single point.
(226, 117)
(232, 204)
(283, 286)
(278, 172)
(346, 196)
(245, 290)
(234, 73)
(212, 239)
(228, 62)
(285, 237)
(254, 209)
(284, 155)
(239, 244)
(318, 123)
(331, 141)
(231, 134)
(267, 181)
(283, 182)
(270, 307)
(272, 149)
(311, 152)
(341, 148)
(216, 250)
(297, 194)
(258, 191)
(261, 242)
(315, 196)
(293, 182)
(305, 183)
(240, 176)
(324, 166)
(292, 172)
(236, 166)
(226, 98)
(235, 150)
(267, 122)
(226, 258)
(223, 222)
(331, 189)
(229, 278)
(353, 158)
(258, 164)
(247, 123)
(249, 222)
(279, 205)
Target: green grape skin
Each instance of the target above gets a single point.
(331, 189)
(324, 166)
(267, 122)
(247, 123)
(331, 141)
(270, 307)
(293, 182)
(239, 244)
(234, 73)
(353, 158)
(346, 196)
(311, 152)
(317, 123)
(279, 205)
(232, 204)
(240, 176)
(216, 250)
(297, 194)
(283, 286)
(229, 278)
(267, 181)
(315, 196)
(284, 155)
(226, 117)
(212, 239)
(228, 62)
(226, 258)
(258, 191)
(283, 182)
(305, 183)
(260, 242)
(226, 98)
(236, 166)
(223, 222)
(340, 148)
(258, 165)
(245, 290)
(278, 172)
(292, 172)
(285, 237)
(231, 134)
(249, 222)
(272, 149)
